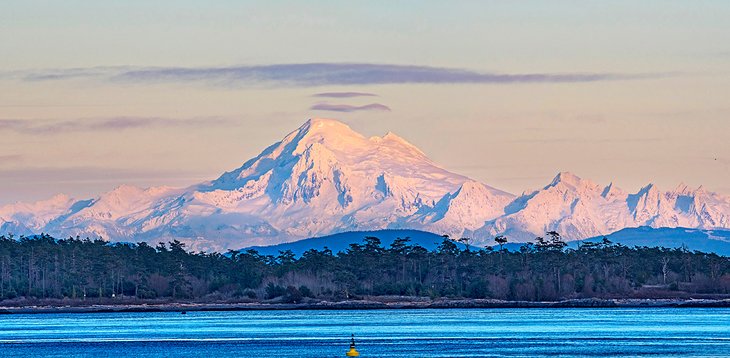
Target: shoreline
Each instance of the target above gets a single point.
(366, 305)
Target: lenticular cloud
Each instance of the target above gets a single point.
(316, 74)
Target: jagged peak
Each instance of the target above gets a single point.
(611, 192)
(468, 187)
(682, 188)
(323, 122)
(391, 137)
(608, 190)
(475, 189)
(331, 132)
(647, 189)
(327, 141)
(326, 126)
(472, 185)
(566, 177)
(572, 180)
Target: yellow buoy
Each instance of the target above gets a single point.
(352, 352)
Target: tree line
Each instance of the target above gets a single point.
(42, 267)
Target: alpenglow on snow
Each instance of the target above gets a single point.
(325, 178)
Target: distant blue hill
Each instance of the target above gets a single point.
(340, 242)
(717, 241)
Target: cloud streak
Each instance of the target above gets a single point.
(93, 175)
(11, 158)
(346, 108)
(562, 140)
(343, 94)
(49, 126)
(319, 74)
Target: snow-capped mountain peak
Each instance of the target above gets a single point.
(572, 181)
(332, 134)
(321, 178)
(393, 140)
(324, 178)
(612, 192)
(578, 208)
(567, 178)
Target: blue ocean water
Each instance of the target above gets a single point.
(687, 332)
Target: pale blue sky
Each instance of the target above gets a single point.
(99, 93)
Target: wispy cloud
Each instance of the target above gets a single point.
(320, 74)
(65, 74)
(344, 94)
(10, 158)
(56, 74)
(36, 183)
(589, 140)
(51, 126)
(94, 175)
(349, 108)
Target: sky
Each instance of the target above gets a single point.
(94, 94)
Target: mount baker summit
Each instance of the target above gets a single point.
(325, 178)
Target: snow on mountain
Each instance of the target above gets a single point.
(579, 208)
(467, 209)
(322, 178)
(31, 218)
(118, 214)
(325, 178)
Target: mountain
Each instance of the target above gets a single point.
(341, 241)
(325, 178)
(717, 241)
(319, 179)
(579, 208)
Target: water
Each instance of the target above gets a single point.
(393, 333)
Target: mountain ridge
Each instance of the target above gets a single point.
(324, 178)
(709, 241)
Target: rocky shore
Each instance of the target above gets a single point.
(365, 304)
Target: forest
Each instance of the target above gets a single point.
(43, 267)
